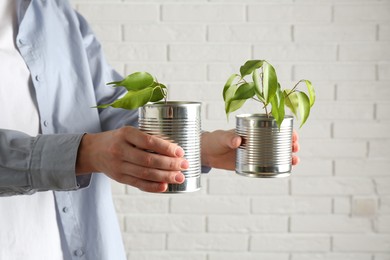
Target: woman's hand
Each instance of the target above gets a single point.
(219, 149)
(124, 156)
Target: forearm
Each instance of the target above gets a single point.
(29, 164)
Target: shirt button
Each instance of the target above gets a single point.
(65, 209)
(45, 123)
(38, 78)
(78, 252)
(21, 41)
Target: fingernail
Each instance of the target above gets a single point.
(184, 165)
(179, 152)
(179, 178)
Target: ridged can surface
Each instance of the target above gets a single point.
(180, 123)
(266, 150)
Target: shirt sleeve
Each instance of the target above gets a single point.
(30, 164)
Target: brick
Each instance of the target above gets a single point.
(382, 256)
(203, 13)
(247, 255)
(347, 110)
(384, 32)
(332, 186)
(215, 242)
(166, 255)
(384, 205)
(294, 52)
(107, 32)
(239, 185)
(164, 33)
(164, 223)
(364, 12)
(249, 33)
(379, 149)
(214, 52)
(382, 224)
(247, 224)
(152, 204)
(290, 243)
(222, 71)
(362, 129)
(210, 205)
(383, 111)
(364, 206)
(382, 185)
(314, 129)
(135, 242)
(331, 256)
(332, 149)
(342, 205)
(364, 52)
(135, 52)
(361, 243)
(310, 167)
(329, 224)
(171, 72)
(359, 167)
(291, 205)
(334, 33)
(120, 12)
(384, 71)
(288, 13)
(186, 92)
(363, 91)
(335, 72)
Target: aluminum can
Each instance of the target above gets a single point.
(180, 123)
(266, 150)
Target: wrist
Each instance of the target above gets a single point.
(84, 164)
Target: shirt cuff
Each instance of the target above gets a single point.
(53, 162)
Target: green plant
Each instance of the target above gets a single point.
(141, 87)
(265, 88)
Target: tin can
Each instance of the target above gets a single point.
(180, 123)
(266, 150)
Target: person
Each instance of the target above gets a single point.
(59, 153)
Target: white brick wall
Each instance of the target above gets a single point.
(336, 205)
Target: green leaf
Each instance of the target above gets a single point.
(228, 84)
(277, 103)
(135, 81)
(299, 104)
(303, 106)
(250, 66)
(134, 99)
(234, 105)
(291, 101)
(244, 91)
(229, 94)
(258, 85)
(158, 93)
(270, 81)
(312, 94)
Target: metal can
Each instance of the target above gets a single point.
(266, 150)
(180, 123)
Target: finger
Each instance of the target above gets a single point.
(144, 185)
(153, 160)
(295, 160)
(295, 136)
(154, 143)
(229, 139)
(295, 147)
(154, 175)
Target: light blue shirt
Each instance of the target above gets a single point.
(68, 73)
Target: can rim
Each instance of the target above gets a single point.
(261, 116)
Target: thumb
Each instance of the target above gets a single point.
(231, 139)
